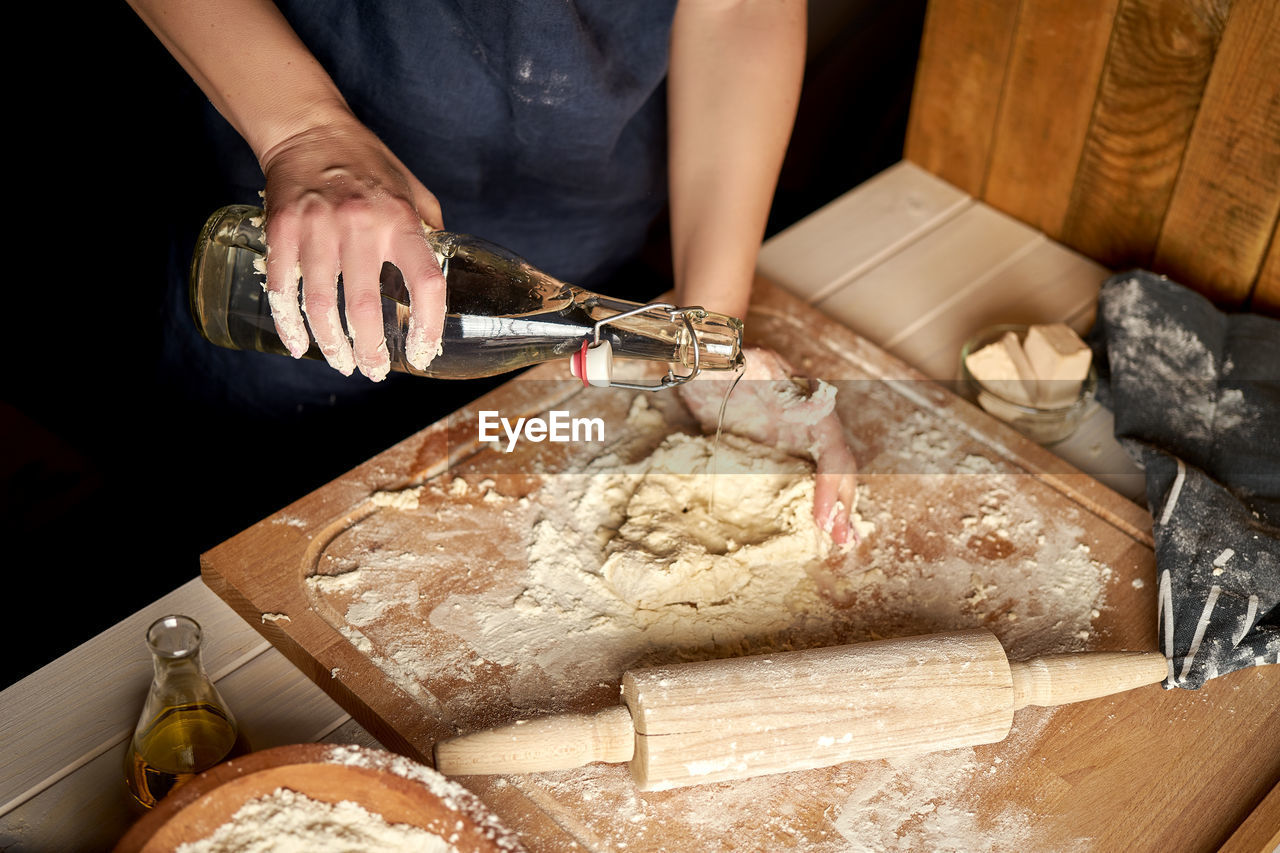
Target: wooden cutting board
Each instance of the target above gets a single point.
(399, 588)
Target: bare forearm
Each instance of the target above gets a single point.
(248, 61)
(736, 69)
(338, 201)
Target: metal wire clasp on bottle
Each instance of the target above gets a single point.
(672, 379)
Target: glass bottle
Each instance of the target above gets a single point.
(502, 314)
(185, 727)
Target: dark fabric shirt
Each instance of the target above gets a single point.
(539, 125)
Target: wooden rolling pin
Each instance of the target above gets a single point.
(710, 721)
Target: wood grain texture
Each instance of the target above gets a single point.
(1157, 65)
(1265, 298)
(1062, 679)
(1142, 133)
(879, 218)
(1227, 197)
(718, 720)
(72, 808)
(1260, 832)
(944, 266)
(735, 718)
(1178, 748)
(90, 809)
(959, 78)
(1046, 283)
(556, 742)
(41, 744)
(1054, 67)
(267, 566)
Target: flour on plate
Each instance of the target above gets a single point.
(285, 821)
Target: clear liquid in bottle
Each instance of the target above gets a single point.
(502, 314)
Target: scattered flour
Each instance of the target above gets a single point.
(288, 822)
(404, 499)
(1172, 363)
(660, 558)
(910, 805)
(628, 562)
(453, 795)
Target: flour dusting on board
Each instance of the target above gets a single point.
(636, 561)
(910, 804)
(629, 560)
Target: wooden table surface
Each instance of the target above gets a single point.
(905, 260)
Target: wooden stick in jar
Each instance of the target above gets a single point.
(712, 721)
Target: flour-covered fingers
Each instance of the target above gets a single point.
(361, 266)
(320, 301)
(283, 273)
(836, 488)
(828, 511)
(417, 263)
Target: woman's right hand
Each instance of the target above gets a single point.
(338, 202)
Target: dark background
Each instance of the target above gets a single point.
(113, 480)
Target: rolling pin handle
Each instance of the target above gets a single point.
(559, 742)
(1061, 679)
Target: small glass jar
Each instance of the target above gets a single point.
(1042, 424)
(185, 726)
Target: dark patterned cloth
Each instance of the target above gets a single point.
(540, 125)
(1196, 397)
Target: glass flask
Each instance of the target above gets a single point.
(502, 314)
(185, 727)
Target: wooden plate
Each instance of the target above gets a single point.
(400, 790)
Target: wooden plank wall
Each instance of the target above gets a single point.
(1142, 133)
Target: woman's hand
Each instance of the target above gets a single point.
(338, 202)
(773, 407)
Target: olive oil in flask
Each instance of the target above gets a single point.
(185, 727)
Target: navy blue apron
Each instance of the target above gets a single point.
(538, 125)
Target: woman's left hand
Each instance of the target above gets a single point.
(774, 407)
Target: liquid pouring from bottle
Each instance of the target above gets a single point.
(502, 314)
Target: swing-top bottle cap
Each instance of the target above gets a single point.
(593, 364)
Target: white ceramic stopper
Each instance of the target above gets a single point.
(593, 364)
